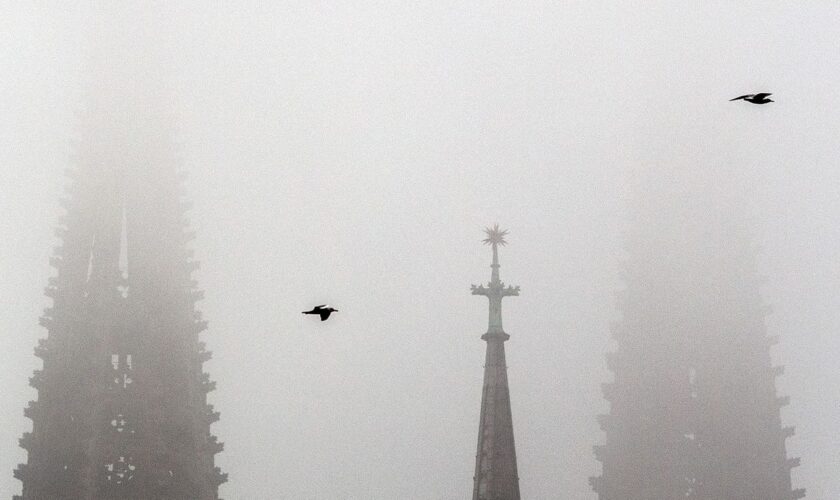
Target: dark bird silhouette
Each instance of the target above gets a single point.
(755, 98)
(322, 311)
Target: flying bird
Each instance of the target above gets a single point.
(322, 311)
(755, 98)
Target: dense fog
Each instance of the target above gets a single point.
(352, 153)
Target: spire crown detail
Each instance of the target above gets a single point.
(495, 290)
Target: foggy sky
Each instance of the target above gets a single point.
(351, 154)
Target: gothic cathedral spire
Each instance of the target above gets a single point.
(122, 408)
(694, 411)
(496, 476)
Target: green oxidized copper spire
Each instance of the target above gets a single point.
(496, 474)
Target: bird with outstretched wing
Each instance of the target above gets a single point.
(760, 98)
(322, 311)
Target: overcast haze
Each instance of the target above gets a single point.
(351, 153)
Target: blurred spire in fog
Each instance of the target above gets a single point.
(693, 405)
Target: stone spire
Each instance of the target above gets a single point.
(122, 409)
(496, 476)
(694, 412)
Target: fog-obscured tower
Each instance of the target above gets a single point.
(693, 406)
(122, 408)
(496, 476)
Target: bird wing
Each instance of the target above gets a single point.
(742, 97)
(324, 315)
(319, 307)
(761, 95)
